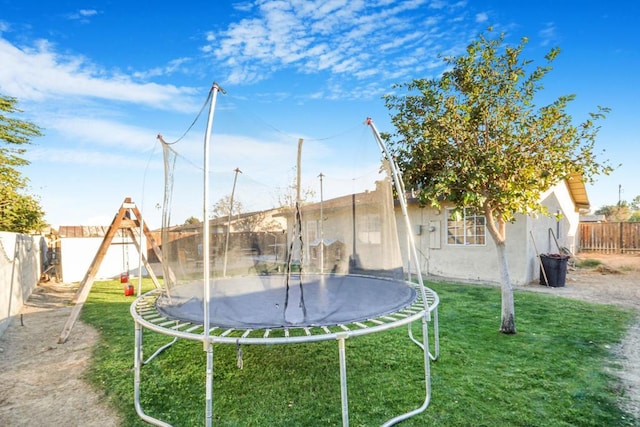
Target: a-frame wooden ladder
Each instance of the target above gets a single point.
(129, 220)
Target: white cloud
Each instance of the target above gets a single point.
(437, 4)
(88, 157)
(547, 34)
(172, 67)
(356, 39)
(243, 6)
(88, 12)
(482, 17)
(82, 15)
(102, 132)
(39, 73)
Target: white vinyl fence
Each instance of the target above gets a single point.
(20, 267)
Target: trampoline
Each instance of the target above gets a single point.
(316, 271)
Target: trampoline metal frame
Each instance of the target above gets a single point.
(425, 308)
(146, 316)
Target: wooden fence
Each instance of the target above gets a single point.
(609, 237)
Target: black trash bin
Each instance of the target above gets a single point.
(555, 267)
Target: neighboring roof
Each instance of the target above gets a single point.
(578, 192)
(575, 185)
(593, 218)
(370, 197)
(69, 231)
(326, 242)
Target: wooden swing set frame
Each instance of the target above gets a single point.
(128, 219)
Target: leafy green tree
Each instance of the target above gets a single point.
(474, 137)
(286, 196)
(635, 217)
(221, 208)
(616, 213)
(192, 220)
(19, 212)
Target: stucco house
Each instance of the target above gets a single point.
(449, 246)
(353, 236)
(461, 247)
(454, 247)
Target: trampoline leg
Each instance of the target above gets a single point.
(160, 350)
(209, 385)
(427, 379)
(137, 364)
(343, 381)
(436, 337)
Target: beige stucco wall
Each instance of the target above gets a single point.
(466, 263)
(480, 263)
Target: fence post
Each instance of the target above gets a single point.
(621, 237)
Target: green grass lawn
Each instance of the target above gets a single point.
(554, 372)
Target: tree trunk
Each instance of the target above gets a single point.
(508, 322)
(498, 231)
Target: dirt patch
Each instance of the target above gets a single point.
(615, 281)
(42, 381)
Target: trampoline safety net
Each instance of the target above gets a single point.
(318, 249)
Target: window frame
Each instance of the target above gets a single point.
(369, 228)
(466, 228)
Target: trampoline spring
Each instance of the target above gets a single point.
(193, 328)
(179, 326)
(227, 332)
(167, 323)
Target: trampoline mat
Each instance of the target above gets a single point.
(260, 302)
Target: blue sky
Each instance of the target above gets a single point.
(103, 78)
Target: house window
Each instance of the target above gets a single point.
(465, 227)
(312, 231)
(369, 229)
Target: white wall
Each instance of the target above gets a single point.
(566, 229)
(20, 267)
(480, 263)
(77, 254)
